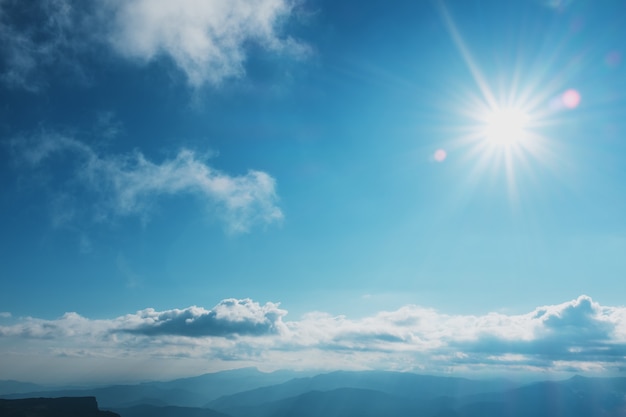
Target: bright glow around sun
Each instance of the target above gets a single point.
(506, 127)
(506, 132)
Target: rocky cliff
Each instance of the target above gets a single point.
(53, 407)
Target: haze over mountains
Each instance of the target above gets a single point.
(184, 392)
(251, 393)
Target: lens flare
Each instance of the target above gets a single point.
(571, 98)
(440, 155)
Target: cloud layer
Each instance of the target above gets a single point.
(131, 184)
(206, 39)
(576, 336)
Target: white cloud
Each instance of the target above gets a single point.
(244, 332)
(130, 184)
(230, 317)
(5, 314)
(206, 39)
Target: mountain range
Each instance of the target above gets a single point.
(251, 393)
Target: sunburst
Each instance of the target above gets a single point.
(506, 126)
(502, 129)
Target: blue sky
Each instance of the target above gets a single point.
(304, 174)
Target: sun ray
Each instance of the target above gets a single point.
(467, 56)
(498, 130)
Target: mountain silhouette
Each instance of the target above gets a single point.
(168, 411)
(185, 392)
(351, 394)
(403, 384)
(53, 407)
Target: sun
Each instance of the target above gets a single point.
(505, 126)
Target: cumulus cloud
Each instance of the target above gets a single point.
(576, 336)
(207, 40)
(68, 325)
(576, 331)
(130, 184)
(229, 317)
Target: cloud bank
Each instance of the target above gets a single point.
(207, 40)
(575, 336)
(130, 184)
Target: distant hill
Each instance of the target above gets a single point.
(168, 411)
(218, 384)
(351, 394)
(403, 384)
(342, 402)
(53, 407)
(123, 395)
(186, 392)
(13, 387)
(575, 397)
(393, 394)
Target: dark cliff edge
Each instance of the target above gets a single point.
(53, 407)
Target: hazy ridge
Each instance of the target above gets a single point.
(251, 393)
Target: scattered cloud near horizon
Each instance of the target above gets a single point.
(130, 184)
(576, 336)
(229, 318)
(206, 40)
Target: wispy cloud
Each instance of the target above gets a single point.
(556, 4)
(207, 40)
(130, 184)
(35, 36)
(576, 336)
